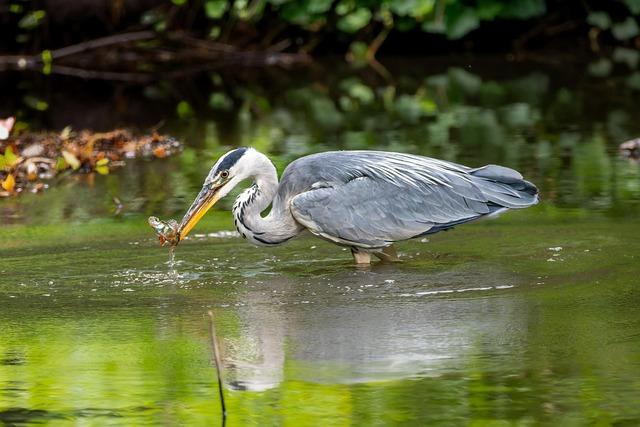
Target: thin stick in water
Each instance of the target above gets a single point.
(218, 362)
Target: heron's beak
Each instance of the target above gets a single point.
(203, 202)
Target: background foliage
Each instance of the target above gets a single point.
(32, 25)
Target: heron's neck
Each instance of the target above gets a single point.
(275, 228)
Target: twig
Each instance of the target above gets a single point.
(216, 358)
(30, 60)
(102, 42)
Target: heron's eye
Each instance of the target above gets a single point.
(224, 174)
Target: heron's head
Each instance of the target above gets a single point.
(230, 169)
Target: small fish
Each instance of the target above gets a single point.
(167, 231)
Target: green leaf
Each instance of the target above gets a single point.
(215, 9)
(178, 2)
(460, 20)
(296, 13)
(10, 159)
(47, 60)
(358, 90)
(184, 110)
(220, 101)
(523, 9)
(631, 57)
(16, 8)
(626, 29)
(32, 19)
(599, 19)
(319, 6)
(35, 103)
(600, 68)
(489, 9)
(358, 52)
(355, 20)
(61, 164)
(633, 5)
(414, 8)
(633, 81)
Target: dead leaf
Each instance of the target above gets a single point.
(160, 152)
(101, 166)
(66, 133)
(71, 160)
(9, 183)
(32, 171)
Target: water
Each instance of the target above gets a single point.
(531, 318)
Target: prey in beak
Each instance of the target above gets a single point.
(211, 192)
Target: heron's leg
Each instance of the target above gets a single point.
(388, 254)
(361, 257)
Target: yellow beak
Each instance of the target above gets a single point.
(203, 202)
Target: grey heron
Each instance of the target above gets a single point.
(364, 200)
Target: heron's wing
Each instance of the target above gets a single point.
(371, 213)
(372, 199)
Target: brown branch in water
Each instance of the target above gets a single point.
(29, 60)
(102, 42)
(201, 54)
(215, 348)
(103, 75)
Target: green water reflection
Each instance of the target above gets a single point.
(528, 319)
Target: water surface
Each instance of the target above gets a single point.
(531, 318)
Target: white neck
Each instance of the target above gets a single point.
(278, 226)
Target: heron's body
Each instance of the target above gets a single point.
(366, 200)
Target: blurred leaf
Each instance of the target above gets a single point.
(66, 133)
(9, 157)
(215, 9)
(468, 82)
(319, 6)
(633, 5)
(523, 9)
(325, 112)
(71, 160)
(633, 81)
(436, 27)
(600, 68)
(9, 160)
(626, 29)
(184, 110)
(47, 60)
(35, 103)
(631, 57)
(599, 19)
(460, 20)
(16, 8)
(101, 166)
(357, 90)
(414, 8)
(344, 6)
(214, 33)
(355, 20)
(488, 9)
(9, 183)
(358, 53)
(178, 2)
(408, 108)
(519, 115)
(32, 19)
(61, 164)
(220, 101)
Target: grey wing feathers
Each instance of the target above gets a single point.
(372, 199)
